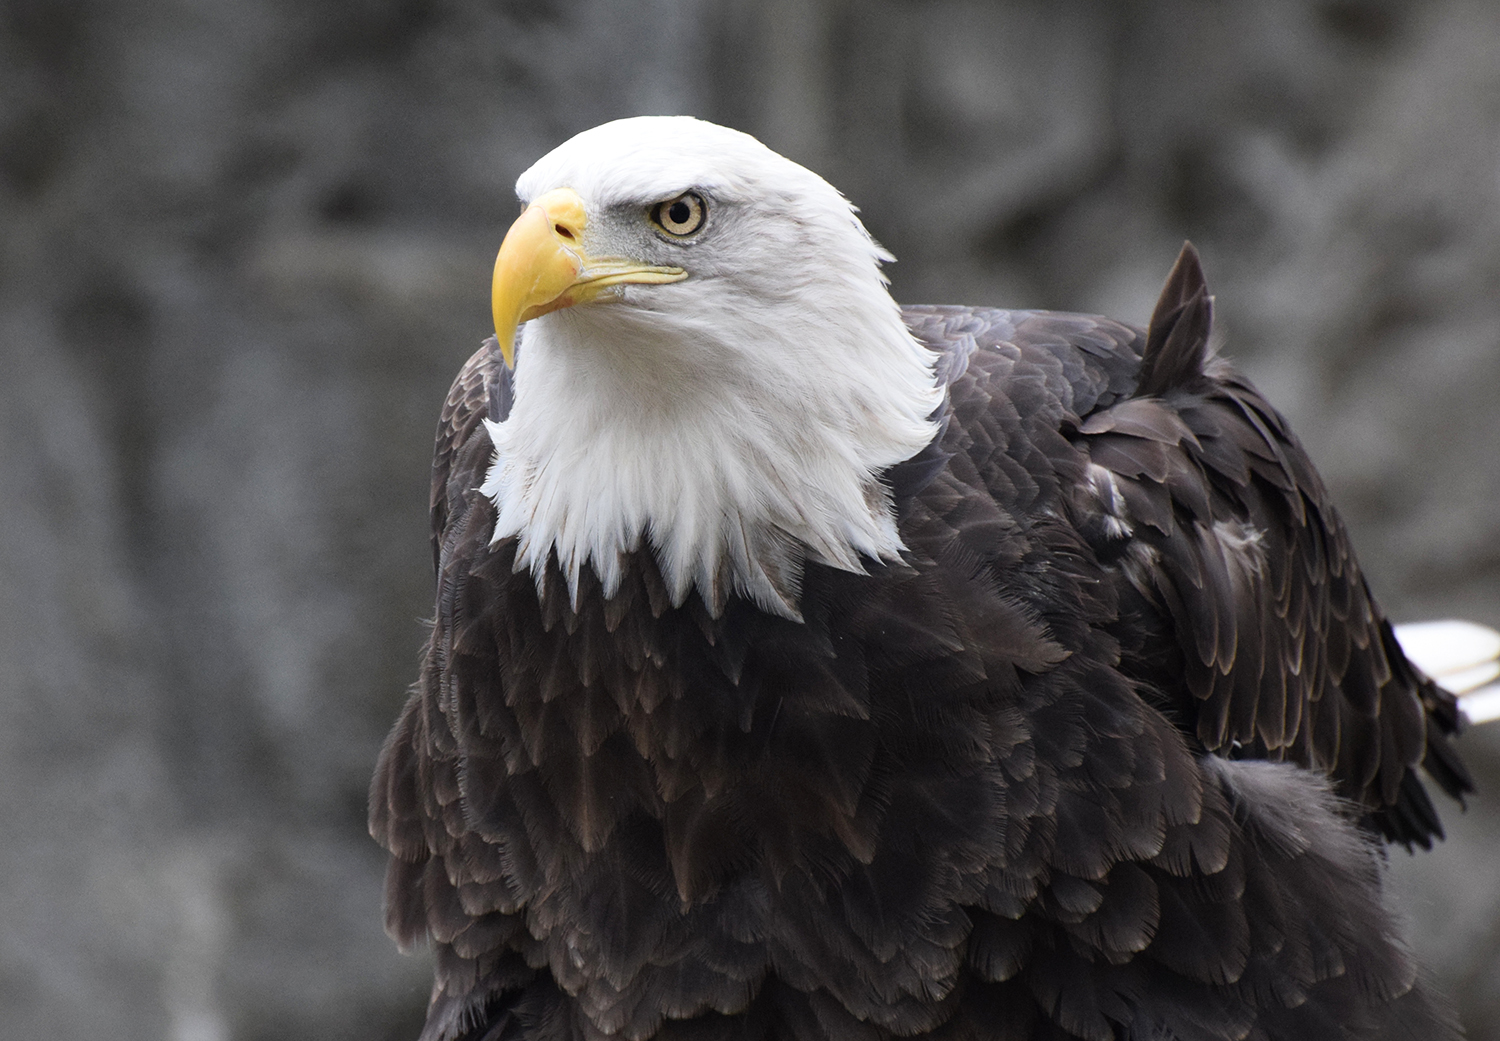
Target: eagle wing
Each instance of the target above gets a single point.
(1243, 611)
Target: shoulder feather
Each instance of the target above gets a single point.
(482, 390)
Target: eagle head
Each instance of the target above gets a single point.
(709, 367)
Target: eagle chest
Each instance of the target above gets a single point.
(740, 744)
(783, 794)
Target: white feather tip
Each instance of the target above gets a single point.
(1463, 657)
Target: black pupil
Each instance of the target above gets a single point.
(679, 212)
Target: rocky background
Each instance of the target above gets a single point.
(244, 245)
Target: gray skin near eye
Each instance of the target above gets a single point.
(630, 230)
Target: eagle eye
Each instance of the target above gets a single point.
(681, 216)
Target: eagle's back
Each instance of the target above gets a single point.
(1023, 784)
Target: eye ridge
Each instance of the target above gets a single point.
(681, 216)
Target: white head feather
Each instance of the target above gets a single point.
(737, 420)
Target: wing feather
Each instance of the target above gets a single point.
(1255, 596)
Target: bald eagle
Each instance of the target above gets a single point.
(809, 667)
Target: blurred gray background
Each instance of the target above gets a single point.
(245, 244)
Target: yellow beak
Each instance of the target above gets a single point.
(542, 267)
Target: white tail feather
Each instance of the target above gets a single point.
(1463, 657)
(1483, 705)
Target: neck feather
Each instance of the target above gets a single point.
(736, 451)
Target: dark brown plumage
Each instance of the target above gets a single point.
(1030, 783)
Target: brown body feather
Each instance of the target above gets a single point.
(1010, 788)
